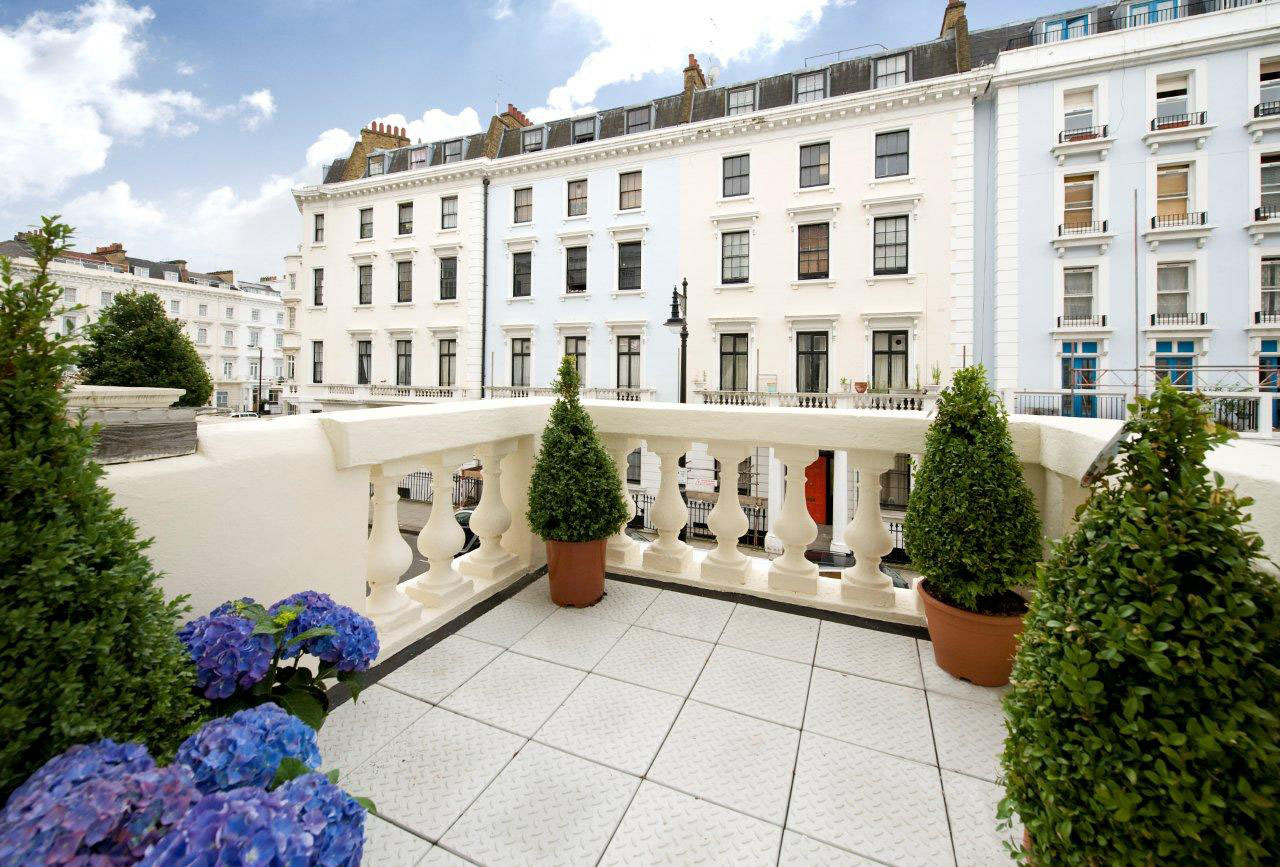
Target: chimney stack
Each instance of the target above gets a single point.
(514, 118)
(183, 274)
(113, 253)
(955, 25)
(694, 81)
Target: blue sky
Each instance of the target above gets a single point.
(179, 127)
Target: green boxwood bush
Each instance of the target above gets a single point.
(575, 494)
(1144, 719)
(971, 526)
(135, 343)
(88, 647)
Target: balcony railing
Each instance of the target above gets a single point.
(892, 400)
(1085, 133)
(1093, 227)
(625, 394)
(1080, 403)
(1267, 109)
(1177, 121)
(1174, 221)
(1122, 22)
(1266, 212)
(392, 393)
(1179, 318)
(1097, 320)
(1269, 316)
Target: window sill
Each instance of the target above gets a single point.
(407, 305)
(826, 282)
(445, 302)
(511, 299)
(451, 231)
(627, 293)
(825, 188)
(732, 287)
(629, 212)
(315, 307)
(872, 279)
(733, 200)
(317, 245)
(363, 240)
(892, 179)
(577, 218)
(407, 237)
(1178, 329)
(361, 306)
(565, 296)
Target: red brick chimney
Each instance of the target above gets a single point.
(694, 80)
(955, 25)
(113, 253)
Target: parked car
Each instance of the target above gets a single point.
(471, 541)
(244, 415)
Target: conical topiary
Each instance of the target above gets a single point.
(88, 647)
(971, 525)
(575, 494)
(1144, 720)
(135, 343)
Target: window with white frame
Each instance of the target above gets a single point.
(1173, 101)
(1269, 185)
(523, 201)
(291, 366)
(364, 279)
(228, 369)
(735, 256)
(418, 158)
(531, 140)
(228, 338)
(255, 315)
(404, 214)
(521, 275)
(889, 254)
(575, 269)
(584, 130)
(629, 191)
(317, 361)
(893, 153)
(629, 263)
(366, 222)
(577, 205)
(815, 164)
(404, 362)
(521, 356)
(69, 295)
(446, 362)
(278, 367)
(279, 317)
(202, 335)
(175, 306)
(737, 175)
(108, 297)
(1078, 113)
(575, 349)
(448, 278)
(453, 151)
(628, 361)
(1271, 288)
(253, 369)
(317, 287)
(231, 313)
(741, 100)
(1173, 291)
(449, 212)
(279, 340)
(318, 229)
(1173, 192)
(811, 86)
(733, 362)
(404, 281)
(814, 246)
(1268, 87)
(1077, 201)
(891, 70)
(377, 165)
(811, 361)
(364, 362)
(1078, 295)
(255, 338)
(222, 400)
(639, 119)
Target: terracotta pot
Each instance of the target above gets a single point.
(1026, 844)
(978, 648)
(576, 572)
(860, 387)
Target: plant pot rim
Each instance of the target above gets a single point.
(964, 613)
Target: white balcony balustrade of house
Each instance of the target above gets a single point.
(322, 468)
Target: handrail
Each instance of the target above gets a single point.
(1085, 133)
(1177, 121)
(1172, 221)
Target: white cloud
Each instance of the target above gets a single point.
(328, 146)
(635, 41)
(436, 124)
(500, 9)
(184, 68)
(259, 106)
(66, 81)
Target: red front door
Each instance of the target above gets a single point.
(815, 490)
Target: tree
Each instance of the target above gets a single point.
(574, 493)
(1144, 719)
(971, 525)
(88, 647)
(135, 343)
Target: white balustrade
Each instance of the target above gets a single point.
(491, 518)
(622, 550)
(795, 528)
(389, 555)
(670, 513)
(727, 520)
(441, 538)
(863, 582)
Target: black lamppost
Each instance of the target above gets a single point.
(261, 408)
(678, 325)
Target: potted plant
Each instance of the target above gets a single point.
(860, 386)
(575, 497)
(935, 374)
(845, 385)
(972, 529)
(1143, 714)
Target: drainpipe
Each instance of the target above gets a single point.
(484, 286)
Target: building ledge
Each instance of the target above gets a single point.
(1198, 133)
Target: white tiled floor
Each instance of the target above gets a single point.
(666, 728)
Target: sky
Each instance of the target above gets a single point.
(179, 128)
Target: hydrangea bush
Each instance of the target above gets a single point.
(246, 748)
(244, 826)
(239, 647)
(334, 818)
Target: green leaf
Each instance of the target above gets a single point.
(313, 632)
(368, 805)
(304, 705)
(290, 768)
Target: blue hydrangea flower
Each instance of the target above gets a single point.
(245, 749)
(352, 647)
(247, 826)
(228, 656)
(99, 804)
(331, 816)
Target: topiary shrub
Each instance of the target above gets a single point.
(971, 525)
(135, 343)
(1144, 719)
(88, 648)
(574, 494)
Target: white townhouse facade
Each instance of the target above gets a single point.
(1129, 195)
(385, 288)
(237, 326)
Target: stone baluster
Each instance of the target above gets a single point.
(727, 520)
(867, 536)
(389, 555)
(517, 469)
(670, 513)
(794, 528)
(622, 549)
(441, 538)
(491, 518)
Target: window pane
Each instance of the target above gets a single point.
(629, 265)
(449, 212)
(890, 245)
(734, 257)
(814, 251)
(629, 192)
(815, 165)
(575, 269)
(523, 199)
(891, 70)
(742, 100)
(521, 275)
(577, 198)
(638, 119)
(737, 175)
(892, 153)
(404, 281)
(406, 218)
(811, 86)
(366, 284)
(448, 278)
(584, 130)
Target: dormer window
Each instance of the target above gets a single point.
(377, 165)
(171, 275)
(418, 158)
(1059, 29)
(639, 120)
(1151, 11)
(453, 151)
(584, 130)
(891, 71)
(531, 140)
(811, 86)
(741, 101)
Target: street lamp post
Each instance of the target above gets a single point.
(678, 323)
(261, 407)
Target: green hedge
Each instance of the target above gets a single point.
(87, 642)
(575, 494)
(1144, 720)
(971, 526)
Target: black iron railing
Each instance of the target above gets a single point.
(1120, 22)
(1098, 320)
(1267, 317)
(699, 512)
(1084, 133)
(1179, 318)
(1266, 212)
(1173, 221)
(1177, 121)
(1092, 227)
(417, 487)
(1082, 403)
(1267, 109)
